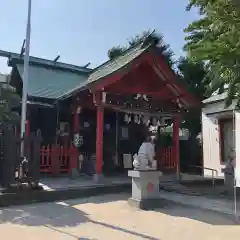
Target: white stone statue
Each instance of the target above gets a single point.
(144, 160)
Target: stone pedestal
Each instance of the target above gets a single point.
(145, 189)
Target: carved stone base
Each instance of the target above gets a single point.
(145, 189)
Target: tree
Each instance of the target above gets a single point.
(115, 52)
(8, 100)
(215, 39)
(148, 37)
(193, 76)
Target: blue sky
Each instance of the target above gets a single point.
(82, 31)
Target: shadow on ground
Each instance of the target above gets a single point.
(62, 214)
(197, 214)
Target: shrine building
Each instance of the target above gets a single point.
(101, 114)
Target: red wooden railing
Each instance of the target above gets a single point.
(57, 159)
(166, 158)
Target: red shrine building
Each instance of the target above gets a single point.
(93, 119)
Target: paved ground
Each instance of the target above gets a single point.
(216, 204)
(109, 217)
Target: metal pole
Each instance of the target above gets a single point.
(25, 77)
(235, 180)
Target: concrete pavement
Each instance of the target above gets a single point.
(110, 217)
(222, 206)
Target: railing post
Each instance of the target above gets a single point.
(73, 155)
(55, 160)
(213, 180)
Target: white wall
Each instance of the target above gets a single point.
(211, 150)
(3, 77)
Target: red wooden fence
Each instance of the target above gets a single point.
(57, 159)
(166, 158)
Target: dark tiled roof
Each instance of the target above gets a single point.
(117, 63)
(52, 83)
(15, 58)
(112, 66)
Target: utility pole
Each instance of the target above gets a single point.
(25, 77)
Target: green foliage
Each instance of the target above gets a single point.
(8, 100)
(146, 37)
(215, 39)
(115, 52)
(194, 77)
(164, 139)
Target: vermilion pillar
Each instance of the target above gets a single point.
(99, 140)
(176, 127)
(99, 132)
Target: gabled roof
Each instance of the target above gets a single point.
(110, 67)
(15, 58)
(216, 98)
(117, 63)
(53, 80)
(130, 59)
(52, 83)
(50, 79)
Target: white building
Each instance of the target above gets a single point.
(219, 125)
(3, 78)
